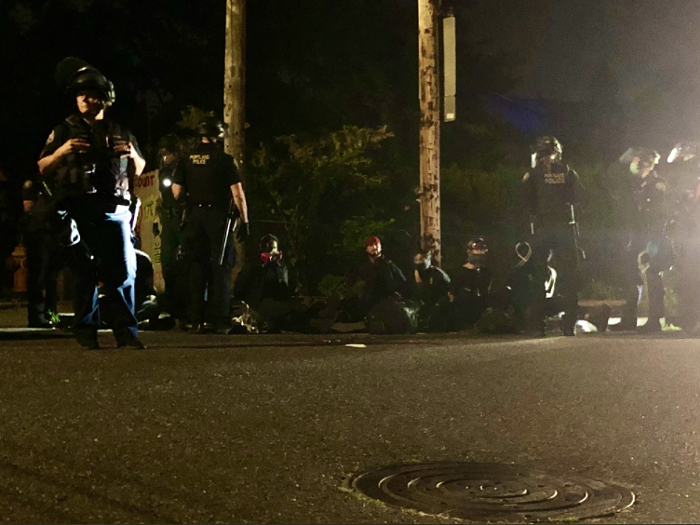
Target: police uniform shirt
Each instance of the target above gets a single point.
(550, 194)
(206, 174)
(110, 171)
(649, 199)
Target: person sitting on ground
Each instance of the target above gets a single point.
(432, 283)
(470, 286)
(264, 285)
(381, 276)
(385, 294)
(432, 288)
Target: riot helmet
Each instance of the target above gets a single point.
(641, 160)
(74, 75)
(545, 147)
(477, 251)
(211, 128)
(168, 150)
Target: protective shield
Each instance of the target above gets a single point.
(683, 151)
(643, 153)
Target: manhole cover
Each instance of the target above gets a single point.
(492, 492)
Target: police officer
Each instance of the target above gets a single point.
(209, 178)
(89, 156)
(647, 252)
(170, 212)
(551, 191)
(683, 229)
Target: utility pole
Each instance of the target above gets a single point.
(234, 81)
(429, 96)
(234, 99)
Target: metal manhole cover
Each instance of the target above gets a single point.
(492, 492)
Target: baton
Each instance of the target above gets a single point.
(231, 223)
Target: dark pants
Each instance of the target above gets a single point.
(169, 247)
(659, 258)
(106, 234)
(210, 282)
(44, 262)
(561, 246)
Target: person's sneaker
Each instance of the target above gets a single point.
(132, 342)
(652, 326)
(41, 323)
(197, 328)
(625, 325)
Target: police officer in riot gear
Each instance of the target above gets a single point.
(210, 179)
(88, 157)
(647, 250)
(551, 191)
(170, 212)
(683, 229)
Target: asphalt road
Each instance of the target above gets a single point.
(266, 429)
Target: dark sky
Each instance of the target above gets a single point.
(639, 58)
(563, 42)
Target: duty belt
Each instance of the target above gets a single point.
(209, 206)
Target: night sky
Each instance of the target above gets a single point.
(563, 42)
(650, 50)
(615, 72)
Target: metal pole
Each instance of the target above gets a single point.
(429, 96)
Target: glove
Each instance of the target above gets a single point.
(243, 232)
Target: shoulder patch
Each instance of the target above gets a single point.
(51, 138)
(526, 177)
(27, 184)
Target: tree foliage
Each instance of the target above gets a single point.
(315, 191)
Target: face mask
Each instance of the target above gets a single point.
(476, 258)
(268, 258)
(422, 266)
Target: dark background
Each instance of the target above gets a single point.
(602, 76)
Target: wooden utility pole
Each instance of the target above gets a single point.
(234, 81)
(429, 95)
(234, 99)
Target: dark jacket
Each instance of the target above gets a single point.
(260, 281)
(382, 279)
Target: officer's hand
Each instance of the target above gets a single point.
(76, 145)
(122, 147)
(243, 232)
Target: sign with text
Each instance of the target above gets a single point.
(147, 189)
